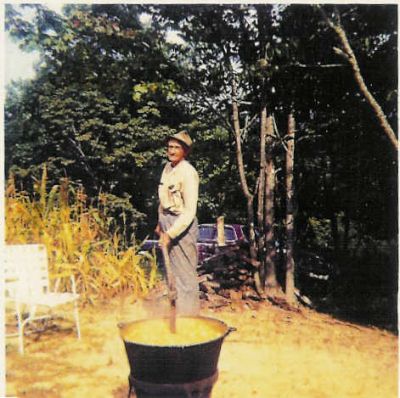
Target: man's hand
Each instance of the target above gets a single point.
(165, 239)
(158, 230)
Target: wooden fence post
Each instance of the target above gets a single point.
(220, 231)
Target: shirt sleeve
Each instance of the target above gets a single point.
(190, 195)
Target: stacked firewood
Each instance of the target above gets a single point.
(227, 273)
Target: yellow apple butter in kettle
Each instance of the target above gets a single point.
(157, 332)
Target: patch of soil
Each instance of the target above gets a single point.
(274, 353)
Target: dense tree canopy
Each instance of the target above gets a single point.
(110, 87)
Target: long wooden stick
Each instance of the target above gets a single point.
(172, 293)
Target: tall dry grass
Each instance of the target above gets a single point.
(79, 240)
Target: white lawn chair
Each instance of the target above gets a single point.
(27, 286)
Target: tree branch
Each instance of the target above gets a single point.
(314, 66)
(348, 53)
(236, 128)
(249, 124)
(83, 157)
(205, 98)
(84, 161)
(275, 128)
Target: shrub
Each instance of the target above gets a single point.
(80, 238)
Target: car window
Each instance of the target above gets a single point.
(229, 233)
(206, 232)
(209, 232)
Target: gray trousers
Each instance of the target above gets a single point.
(183, 258)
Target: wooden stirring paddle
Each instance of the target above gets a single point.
(172, 293)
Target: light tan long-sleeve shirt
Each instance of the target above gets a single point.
(178, 193)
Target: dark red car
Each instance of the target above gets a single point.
(207, 240)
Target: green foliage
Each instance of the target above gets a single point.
(109, 90)
(78, 115)
(167, 89)
(321, 230)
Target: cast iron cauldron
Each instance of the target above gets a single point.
(175, 364)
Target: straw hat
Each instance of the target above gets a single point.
(182, 137)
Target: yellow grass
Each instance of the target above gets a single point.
(78, 239)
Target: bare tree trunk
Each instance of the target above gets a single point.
(245, 188)
(266, 130)
(348, 54)
(261, 194)
(290, 265)
(271, 282)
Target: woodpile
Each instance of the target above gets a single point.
(227, 275)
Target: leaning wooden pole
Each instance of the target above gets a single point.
(347, 52)
(377, 109)
(290, 264)
(172, 292)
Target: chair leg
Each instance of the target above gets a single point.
(22, 323)
(20, 330)
(76, 315)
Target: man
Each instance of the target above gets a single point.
(177, 222)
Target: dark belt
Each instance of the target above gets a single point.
(168, 212)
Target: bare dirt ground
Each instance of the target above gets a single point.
(274, 353)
